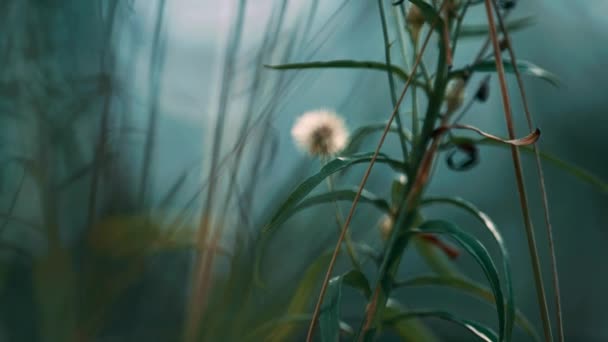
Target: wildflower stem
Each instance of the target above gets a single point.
(540, 290)
(391, 80)
(541, 177)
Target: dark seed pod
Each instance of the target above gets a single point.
(508, 4)
(468, 151)
(504, 44)
(483, 92)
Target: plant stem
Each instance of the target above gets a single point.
(391, 81)
(540, 290)
(541, 177)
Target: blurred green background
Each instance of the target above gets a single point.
(116, 117)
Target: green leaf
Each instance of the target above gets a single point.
(338, 195)
(573, 170)
(525, 67)
(479, 330)
(329, 319)
(483, 258)
(330, 168)
(471, 288)
(469, 31)
(357, 137)
(491, 227)
(342, 64)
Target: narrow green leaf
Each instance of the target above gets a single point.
(469, 31)
(261, 333)
(471, 288)
(525, 67)
(339, 195)
(483, 258)
(329, 319)
(332, 167)
(484, 333)
(493, 229)
(342, 64)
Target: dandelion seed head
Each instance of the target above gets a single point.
(320, 133)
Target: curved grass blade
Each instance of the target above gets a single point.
(330, 168)
(342, 64)
(525, 67)
(484, 333)
(483, 258)
(473, 31)
(339, 195)
(471, 288)
(573, 170)
(493, 229)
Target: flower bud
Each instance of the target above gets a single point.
(454, 96)
(415, 20)
(483, 92)
(386, 226)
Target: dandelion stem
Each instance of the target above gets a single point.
(540, 290)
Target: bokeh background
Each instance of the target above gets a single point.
(111, 111)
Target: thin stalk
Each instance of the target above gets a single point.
(415, 123)
(459, 21)
(349, 217)
(421, 164)
(391, 81)
(350, 249)
(541, 177)
(540, 290)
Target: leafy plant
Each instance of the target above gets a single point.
(421, 147)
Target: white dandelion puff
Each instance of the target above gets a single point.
(320, 133)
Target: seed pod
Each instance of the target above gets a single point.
(415, 20)
(483, 92)
(454, 96)
(507, 4)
